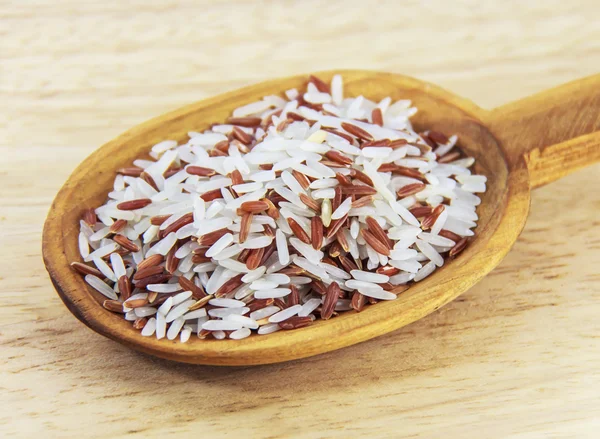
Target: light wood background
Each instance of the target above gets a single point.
(518, 356)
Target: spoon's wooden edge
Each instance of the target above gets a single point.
(423, 298)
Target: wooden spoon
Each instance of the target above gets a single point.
(519, 146)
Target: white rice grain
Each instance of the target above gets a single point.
(196, 314)
(181, 297)
(186, 332)
(166, 306)
(163, 288)
(430, 252)
(161, 326)
(240, 334)
(264, 312)
(226, 312)
(149, 328)
(219, 245)
(274, 293)
(100, 286)
(369, 277)
(144, 311)
(253, 275)
(268, 329)
(179, 310)
(263, 284)
(425, 271)
(222, 325)
(257, 242)
(342, 209)
(282, 247)
(247, 322)
(309, 307)
(105, 250)
(105, 269)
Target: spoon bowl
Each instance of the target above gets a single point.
(518, 147)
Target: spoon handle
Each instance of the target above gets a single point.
(557, 131)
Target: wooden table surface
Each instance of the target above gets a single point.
(518, 356)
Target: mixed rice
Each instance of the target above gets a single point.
(299, 207)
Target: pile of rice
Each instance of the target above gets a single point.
(299, 207)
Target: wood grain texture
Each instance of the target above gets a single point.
(556, 130)
(516, 356)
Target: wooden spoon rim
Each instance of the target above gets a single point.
(349, 328)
